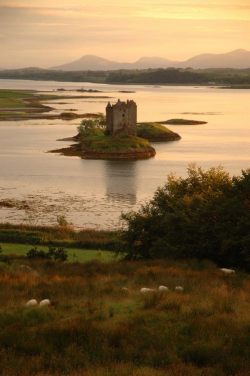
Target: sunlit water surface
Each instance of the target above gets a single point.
(94, 193)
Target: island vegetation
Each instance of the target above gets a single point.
(93, 141)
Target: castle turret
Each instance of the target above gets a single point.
(109, 118)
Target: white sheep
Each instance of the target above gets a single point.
(31, 303)
(145, 290)
(45, 303)
(179, 288)
(163, 288)
(228, 271)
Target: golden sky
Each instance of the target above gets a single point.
(46, 33)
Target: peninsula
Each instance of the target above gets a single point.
(16, 105)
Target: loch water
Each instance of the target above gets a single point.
(93, 193)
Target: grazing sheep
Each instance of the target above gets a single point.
(228, 271)
(31, 303)
(179, 288)
(45, 303)
(145, 290)
(163, 288)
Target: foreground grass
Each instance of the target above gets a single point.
(95, 328)
(74, 254)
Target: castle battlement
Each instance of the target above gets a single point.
(121, 118)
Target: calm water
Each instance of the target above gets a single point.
(94, 193)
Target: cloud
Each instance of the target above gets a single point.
(51, 32)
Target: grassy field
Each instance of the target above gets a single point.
(94, 327)
(74, 254)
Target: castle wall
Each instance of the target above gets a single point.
(122, 118)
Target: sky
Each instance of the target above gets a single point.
(45, 33)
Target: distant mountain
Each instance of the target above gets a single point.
(239, 59)
(91, 62)
(153, 62)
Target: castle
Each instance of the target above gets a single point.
(121, 118)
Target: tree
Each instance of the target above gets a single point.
(89, 126)
(205, 215)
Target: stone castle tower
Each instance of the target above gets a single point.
(121, 118)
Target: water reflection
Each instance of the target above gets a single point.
(121, 181)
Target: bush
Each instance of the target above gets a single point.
(91, 126)
(56, 254)
(205, 216)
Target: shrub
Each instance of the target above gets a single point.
(205, 216)
(91, 126)
(56, 254)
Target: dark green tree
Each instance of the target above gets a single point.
(205, 215)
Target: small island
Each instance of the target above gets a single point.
(156, 132)
(183, 122)
(118, 136)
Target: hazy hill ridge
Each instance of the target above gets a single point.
(239, 59)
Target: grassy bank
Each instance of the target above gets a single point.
(14, 98)
(62, 236)
(19, 105)
(94, 327)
